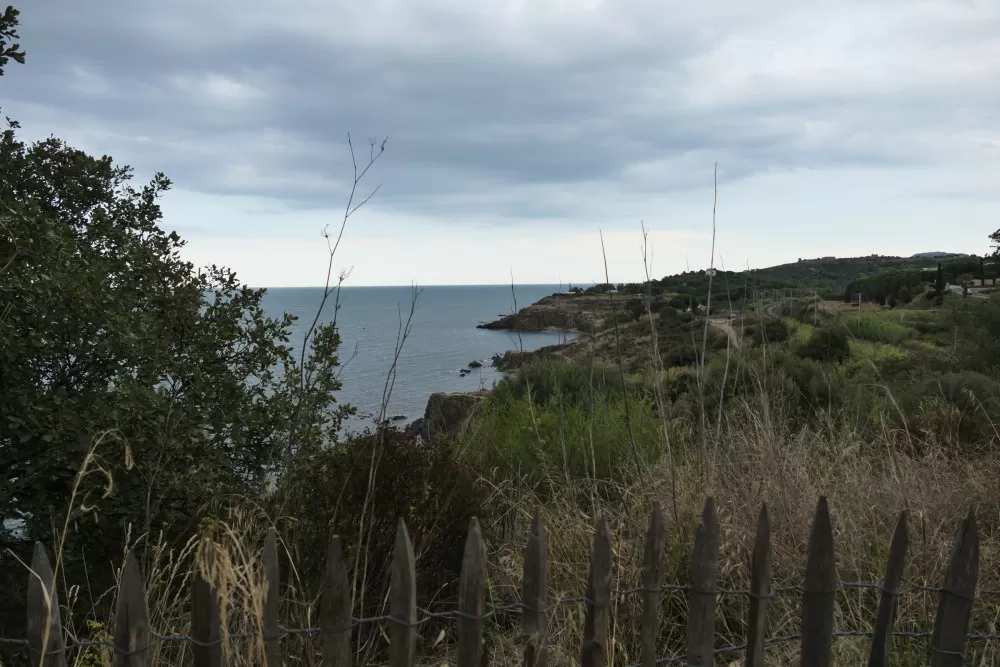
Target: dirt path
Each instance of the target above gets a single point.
(727, 328)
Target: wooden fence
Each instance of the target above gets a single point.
(133, 635)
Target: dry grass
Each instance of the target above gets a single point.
(866, 489)
(748, 460)
(749, 463)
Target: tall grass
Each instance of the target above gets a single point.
(878, 329)
(569, 456)
(581, 440)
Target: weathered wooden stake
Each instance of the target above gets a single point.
(471, 599)
(272, 589)
(596, 623)
(760, 590)
(957, 595)
(403, 602)
(703, 590)
(652, 575)
(335, 620)
(882, 641)
(206, 620)
(535, 595)
(45, 635)
(132, 631)
(819, 592)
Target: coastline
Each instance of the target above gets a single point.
(573, 316)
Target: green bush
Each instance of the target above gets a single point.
(770, 331)
(680, 354)
(636, 308)
(105, 329)
(679, 303)
(828, 343)
(879, 329)
(668, 317)
(968, 391)
(576, 424)
(394, 476)
(552, 379)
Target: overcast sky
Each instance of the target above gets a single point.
(517, 130)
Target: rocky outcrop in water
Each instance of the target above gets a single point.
(511, 360)
(553, 313)
(446, 415)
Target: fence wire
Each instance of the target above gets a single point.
(71, 642)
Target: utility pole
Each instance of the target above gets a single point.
(859, 309)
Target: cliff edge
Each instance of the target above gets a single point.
(559, 312)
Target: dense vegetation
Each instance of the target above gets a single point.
(932, 372)
(828, 277)
(145, 402)
(127, 375)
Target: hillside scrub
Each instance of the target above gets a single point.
(137, 389)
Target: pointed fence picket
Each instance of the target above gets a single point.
(134, 638)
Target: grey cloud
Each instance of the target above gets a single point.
(469, 127)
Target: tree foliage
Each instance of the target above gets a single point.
(828, 344)
(107, 335)
(9, 49)
(887, 285)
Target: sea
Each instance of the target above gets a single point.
(442, 340)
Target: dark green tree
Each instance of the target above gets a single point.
(827, 344)
(939, 280)
(107, 336)
(904, 295)
(976, 327)
(9, 21)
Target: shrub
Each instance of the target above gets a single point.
(968, 391)
(679, 354)
(879, 329)
(771, 331)
(827, 344)
(551, 379)
(668, 317)
(576, 424)
(679, 303)
(424, 484)
(636, 308)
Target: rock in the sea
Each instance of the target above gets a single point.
(549, 314)
(511, 360)
(398, 418)
(415, 428)
(475, 364)
(446, 415)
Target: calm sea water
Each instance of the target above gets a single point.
(443, 339)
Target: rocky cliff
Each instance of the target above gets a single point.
(511, 360)
(446, 415)
(554, 313)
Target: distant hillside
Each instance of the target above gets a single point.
(827, 275)
(835, 274)
(938, 254)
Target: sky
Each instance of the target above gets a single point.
(521, 133)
